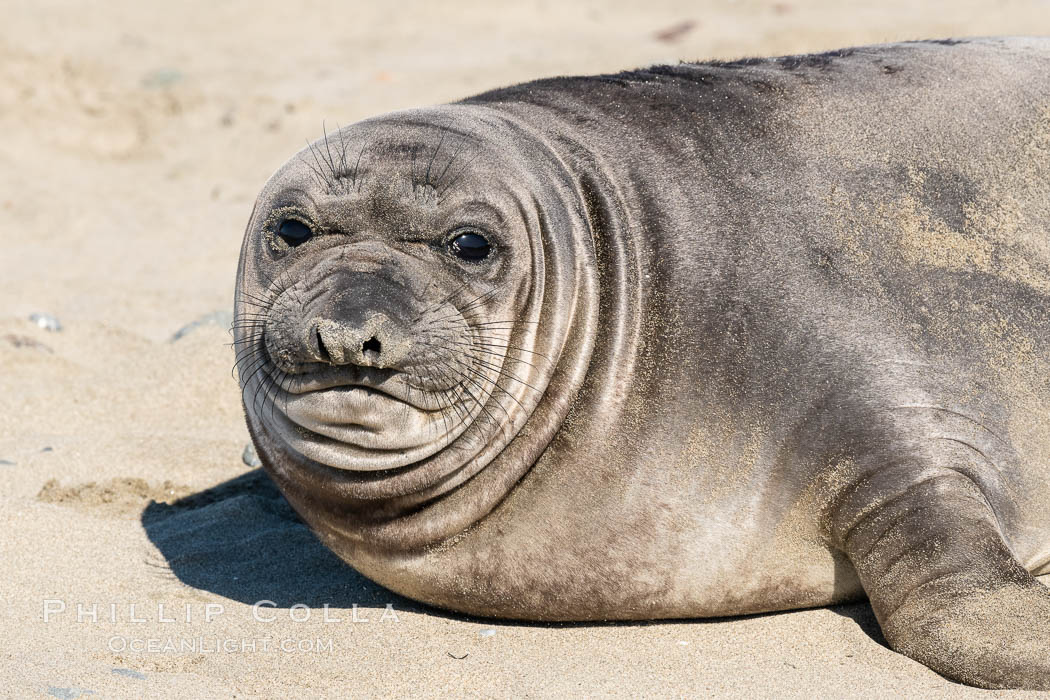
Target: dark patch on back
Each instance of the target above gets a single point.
(688, 94)
(624, 79)
(808, 60)
(812, 60)
(946, 195)
(738, 63)
(705, 75)
(948, 304)
(941, 42)
(691, 72)
(824, 260)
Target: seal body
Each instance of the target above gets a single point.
(735, 337)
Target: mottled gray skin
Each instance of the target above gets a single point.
(753, 336)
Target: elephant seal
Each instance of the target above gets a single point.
(693, 340)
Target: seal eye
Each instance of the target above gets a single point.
(470, 246)
(293, 232)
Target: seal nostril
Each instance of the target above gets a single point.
(373, 345)
(322, 351)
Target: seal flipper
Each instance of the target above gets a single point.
(942, 581)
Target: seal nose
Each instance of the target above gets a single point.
(372, 345)
(377, 342)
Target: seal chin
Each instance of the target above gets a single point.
(360, 428)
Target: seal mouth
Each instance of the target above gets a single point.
(363, 418)
(381, 383)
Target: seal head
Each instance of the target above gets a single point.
(408, 291)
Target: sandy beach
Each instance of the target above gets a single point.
(138, 539)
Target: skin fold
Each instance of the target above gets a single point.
(686, 341)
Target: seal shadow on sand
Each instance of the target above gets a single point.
(241, 540)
